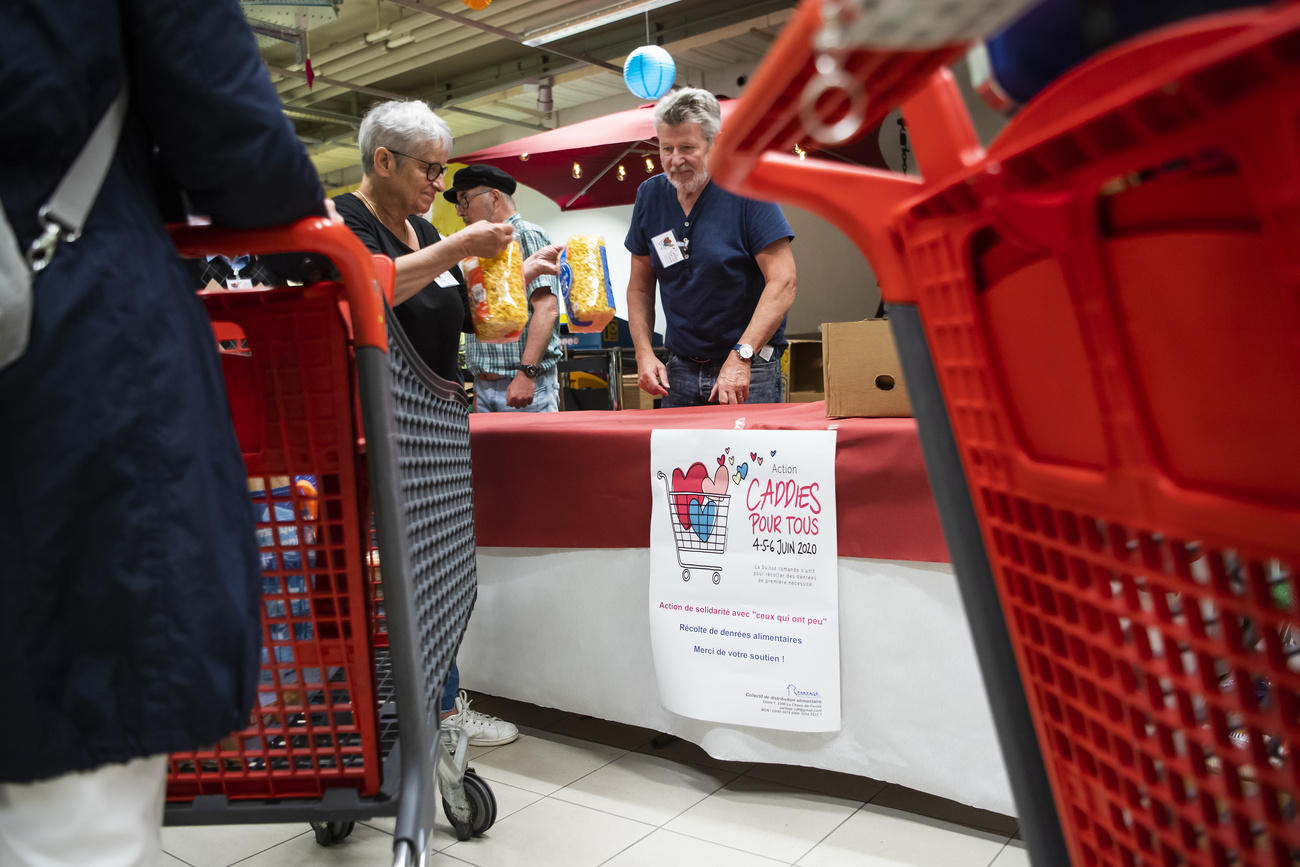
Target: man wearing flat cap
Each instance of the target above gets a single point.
(518, 376)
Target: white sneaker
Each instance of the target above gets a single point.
(484, 730)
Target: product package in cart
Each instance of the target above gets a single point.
(497, 302)
(585, 285)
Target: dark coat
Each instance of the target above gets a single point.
(128, 573)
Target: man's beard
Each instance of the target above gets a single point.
(694, 185)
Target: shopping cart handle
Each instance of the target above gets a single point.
(367, 282)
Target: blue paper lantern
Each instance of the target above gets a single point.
(649, 72)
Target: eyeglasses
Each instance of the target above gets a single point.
(462, 201)
(432, 171)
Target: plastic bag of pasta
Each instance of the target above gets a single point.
(497, 303)
(584, 283)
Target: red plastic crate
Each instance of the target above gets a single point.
(290, 383)
(1111, 298)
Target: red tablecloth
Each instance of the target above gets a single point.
(582, 479)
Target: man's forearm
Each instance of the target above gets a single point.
(546, 311)
(641, 317)
(773, 305)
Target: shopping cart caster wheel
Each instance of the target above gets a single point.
(329, 833)
(686, 574)
(482, 807)
(464, 830)
(717, 578)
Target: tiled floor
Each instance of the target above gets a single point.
(574, 791)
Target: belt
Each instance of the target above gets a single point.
(491, 377)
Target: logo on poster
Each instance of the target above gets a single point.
(793, 690)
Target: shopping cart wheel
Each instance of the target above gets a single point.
(329, 833)
(686, 574)
(717, 577)
(482, 807)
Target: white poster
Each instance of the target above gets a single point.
(744, 592)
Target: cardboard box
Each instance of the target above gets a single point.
(863, 376)
(633, 396)
(802, 367)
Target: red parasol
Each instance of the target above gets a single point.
(545, 161)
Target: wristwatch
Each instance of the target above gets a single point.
(529, 370)
(744, 350)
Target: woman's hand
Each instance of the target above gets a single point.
(545, 262)
(484, 238)
(331, 212)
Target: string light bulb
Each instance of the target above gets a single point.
(799, 152)
(577, 170)
(622, 173)
(523, 157)
(649, 166)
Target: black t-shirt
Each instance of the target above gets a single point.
(435, 316)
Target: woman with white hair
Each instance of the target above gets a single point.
(404, 151)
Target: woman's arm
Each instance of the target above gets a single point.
(419, 269)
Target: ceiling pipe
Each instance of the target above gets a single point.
(504, 34)
(441, 35)
(389, 94)
(431, 43)
(295, 35)
(674, 43)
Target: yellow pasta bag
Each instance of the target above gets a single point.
(584, 283)
(497, 302)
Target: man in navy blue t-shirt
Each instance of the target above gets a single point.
(723, 264)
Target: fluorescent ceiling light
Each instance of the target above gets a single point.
(400, 41)
(617, 12)
(378, 35)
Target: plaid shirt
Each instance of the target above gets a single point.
(503, 359)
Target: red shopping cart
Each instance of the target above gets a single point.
(1099, 322)
(352, 448)
(702, 539)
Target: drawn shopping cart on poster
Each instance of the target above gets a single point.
(702, 534)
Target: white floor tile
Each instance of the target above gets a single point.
(644, 788)
(665, 847)
(1014, 855)
(883, 837)
(171, 861)
(474, 752)
(364, 846)
(764, 818)
(543, 763)
(551, 833)
(221, 845)
(510, 799)
(437, 859)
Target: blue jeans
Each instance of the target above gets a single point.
(690, 381)
(450, 689)
(490, 394)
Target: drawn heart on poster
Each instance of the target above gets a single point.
(717, 486)
(685, 484)
(703, 517)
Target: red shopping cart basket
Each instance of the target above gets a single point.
(1099, 319)
(338, 420)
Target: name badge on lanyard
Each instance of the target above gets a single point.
(668, 248)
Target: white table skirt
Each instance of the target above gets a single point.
(568, 629)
